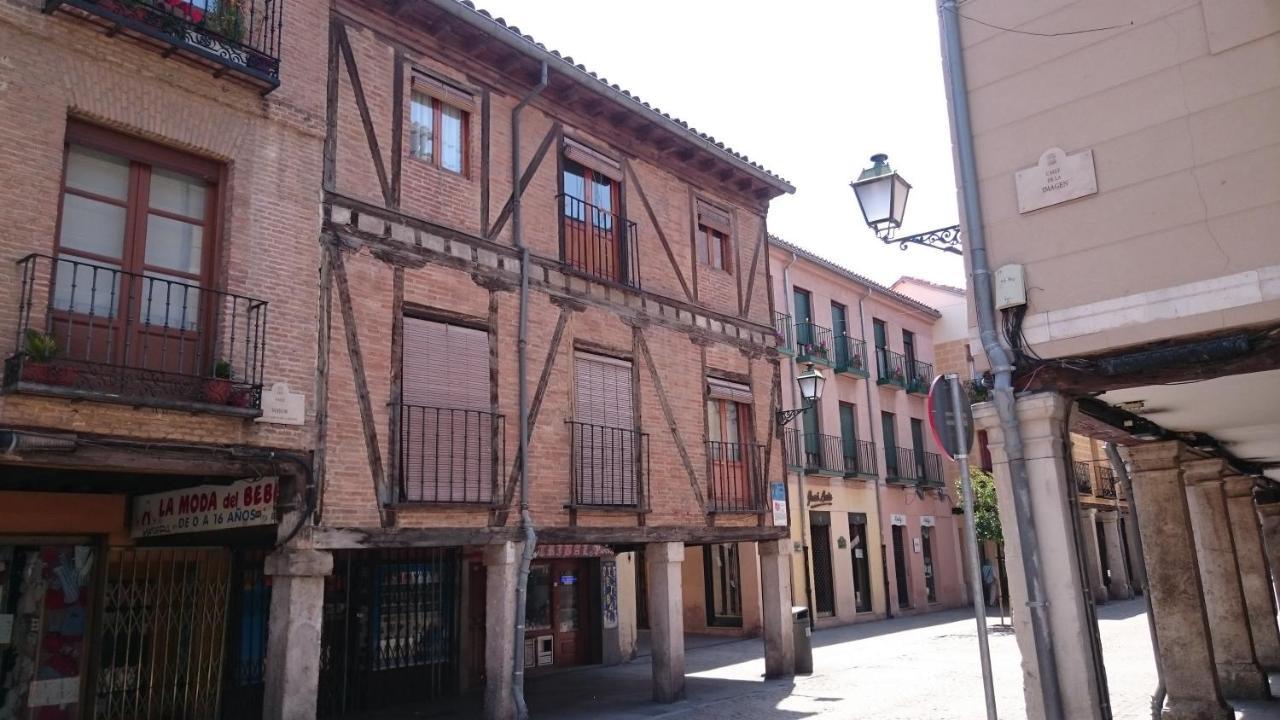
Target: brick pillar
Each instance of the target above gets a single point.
(293, 642)
(501, 563)
(1120, 588)
(1255, 577)
(666, 619)
(775, 610)
(1173, 575)
(1269, 519)
(1041, 419)
(1238, 670)
(1092, 553)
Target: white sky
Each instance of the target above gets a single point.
(808, 89)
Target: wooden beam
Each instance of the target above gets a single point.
(363, 401)
(397, 126)
(330, 160)
(344, 44)
(657, 226)
(525, 179)
(347, 538)
(397, 377)
(324, 333)
(751, 274)
(486, 109)
(213, 462)
(670, 417)
(336, 538)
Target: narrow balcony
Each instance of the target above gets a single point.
(851, 356)
(238, 38)
(891, 368)
(783, 332)
(1106, 482)
(919, 375)
(908, 466)
(736, 477)
(89, 331)
(814, 344)
(450, 455)
(859, 458)
(1084, 481)
(608, 467)
(599, 243)
(818, 454)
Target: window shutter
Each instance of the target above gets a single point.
(719, 389)
(714, 218)
(445, 366)
(587, 157)
(604, 452)
(444, 91)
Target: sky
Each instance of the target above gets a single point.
(810, 90)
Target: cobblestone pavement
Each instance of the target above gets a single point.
(918, 668)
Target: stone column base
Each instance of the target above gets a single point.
(1243, 681)
(1197, 710)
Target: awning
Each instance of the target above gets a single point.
(547, 552)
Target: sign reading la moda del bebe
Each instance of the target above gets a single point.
(245, 503)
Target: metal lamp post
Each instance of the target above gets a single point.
(811, 382)
(882, 195)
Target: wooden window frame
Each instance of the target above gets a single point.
(437, 137)
(706, 235)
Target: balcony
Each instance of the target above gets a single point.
(239, 38)
(859, 459)
(599, 243)
(817, 454)
(919, 375)
(813, 344)
(783, 332)
(449, 455)
(92, 332)
(891, 368)
(851, 356)
(906, 466)
(1106, 479)
(608, 467)
(736, 478)
(1084, 483)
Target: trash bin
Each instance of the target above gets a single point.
(804, 644)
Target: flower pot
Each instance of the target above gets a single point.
(217, 391)
(37, 372)
(63, 375)
(239, 398)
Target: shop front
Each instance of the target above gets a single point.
(845, 563)
(563, 608)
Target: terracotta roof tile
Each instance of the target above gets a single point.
(842, 270)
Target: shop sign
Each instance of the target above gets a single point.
(245, 503)
(820, 498)
(927, 521)
(282, 407)
(778, 494)
(897, 519)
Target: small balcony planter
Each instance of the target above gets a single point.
(918, 386)
(39, 361)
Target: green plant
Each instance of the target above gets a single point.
(222, 369)
(227, 19)
(38, 346)
(986, 508)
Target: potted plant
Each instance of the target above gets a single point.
(38, 351)
(227, 19)
(822, 349)
(855, 362)
(898, 377)
(218, 389)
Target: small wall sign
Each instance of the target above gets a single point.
(820, 498)
(778, 495)
(897, 519)
(282, 407)
(927, 521)
(1056, 178)
(842, 543)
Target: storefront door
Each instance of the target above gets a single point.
(569, 584)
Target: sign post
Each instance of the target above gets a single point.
(951, 420)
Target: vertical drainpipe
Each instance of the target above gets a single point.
(528, 532)
(800, 489)
(871, 426)
(1001, 364)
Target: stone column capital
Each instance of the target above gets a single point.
(669, 552)
(298, 563)
(1090, 513)
(1269, 510)
(503, 553)
(1209, 470)
(1238, 486)
(770, 548)
(1165, 455)
(1109, 517)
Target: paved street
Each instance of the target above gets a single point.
(907, 669)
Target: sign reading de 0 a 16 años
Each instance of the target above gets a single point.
(205, 508)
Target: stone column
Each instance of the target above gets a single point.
(502, 564)
(1138, 575)
(775, 610)
(666, 619)
(1173, 576)
(1092, 554)
(1041, 419)
(293, 642)
(1269, 519)
(1255, 578)
(1238, 670)
(1120, 588)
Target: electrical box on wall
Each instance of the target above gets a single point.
(1011, 287)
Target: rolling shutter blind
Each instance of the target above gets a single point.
(714, 218)
(594, 159)
(443, 90)
(605, 442)
(718, 389)
(446, 427)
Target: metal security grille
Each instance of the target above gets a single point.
(163, 618)
(247, 630)
(824, 592)
(390, 632)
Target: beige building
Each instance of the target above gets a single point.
(1124, 183)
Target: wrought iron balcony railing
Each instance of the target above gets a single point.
(737, 477)
(909, 466)
(814, 344)
(1084, 482)
(237, 36)
(813, 452)
(859, 458)
(891, 368)
(783, 331)
(91, 331)
(597, 242)
(449, 455)
(851, 355)
(919, 375)
(608, 466)
(1106, 487)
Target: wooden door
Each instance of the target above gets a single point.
(592, 236)
(569, 611)
(478, 583)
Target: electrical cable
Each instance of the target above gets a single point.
(1062, 33)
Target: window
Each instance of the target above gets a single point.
(984, 452)
(926, 545)
(712, 238)
(803, 300)
(849, 438)
(723, 579)
(135, 241)
(439, 123)
(594, 238)
(859, 551)
(917, 447)
(824, 591)
(900, 566)
(889, 434)
(605, 444)
(733, 460)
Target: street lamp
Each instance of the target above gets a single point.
(810, 382)
(882, 195)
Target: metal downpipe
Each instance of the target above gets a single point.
(800, 487)
(528, 532)
(871, 428)
(1006, 410)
